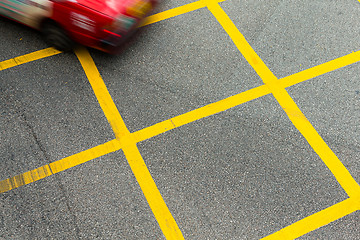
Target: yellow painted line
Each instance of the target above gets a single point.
(200, 113)
(316, 220)
(106, 103)
(240, 41)
(174, 12)
(58, 166)
(341, 174)
(320, 70)
(132, 154)
(299, 120)
(157, 204)
(85, 156)
(28, 58)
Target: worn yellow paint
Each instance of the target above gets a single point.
(295, 115)
(28, 58)
(106, 103)
(85, 156)
(58, 166)
(316, 220)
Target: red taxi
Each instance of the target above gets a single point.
(100, 24)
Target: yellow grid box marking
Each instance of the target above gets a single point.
(127, 141)
(101, 93)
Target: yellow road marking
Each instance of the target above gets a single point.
(316, 220)
(106, 103)
(319, 70)
(240, 42)
(299, 120)
(136, 162)
(28, 58)
(295, 115)
(200, 113)
(58, 166)
(157, 204)
(174, 12)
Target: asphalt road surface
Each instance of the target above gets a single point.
(219, 120)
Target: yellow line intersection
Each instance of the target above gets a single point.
(127, 141)
(128, 144)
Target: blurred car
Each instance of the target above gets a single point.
(100, 24)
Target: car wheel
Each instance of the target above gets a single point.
(55, 36)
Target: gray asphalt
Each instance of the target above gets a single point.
(240, 174)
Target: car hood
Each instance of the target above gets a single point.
(108, 7)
